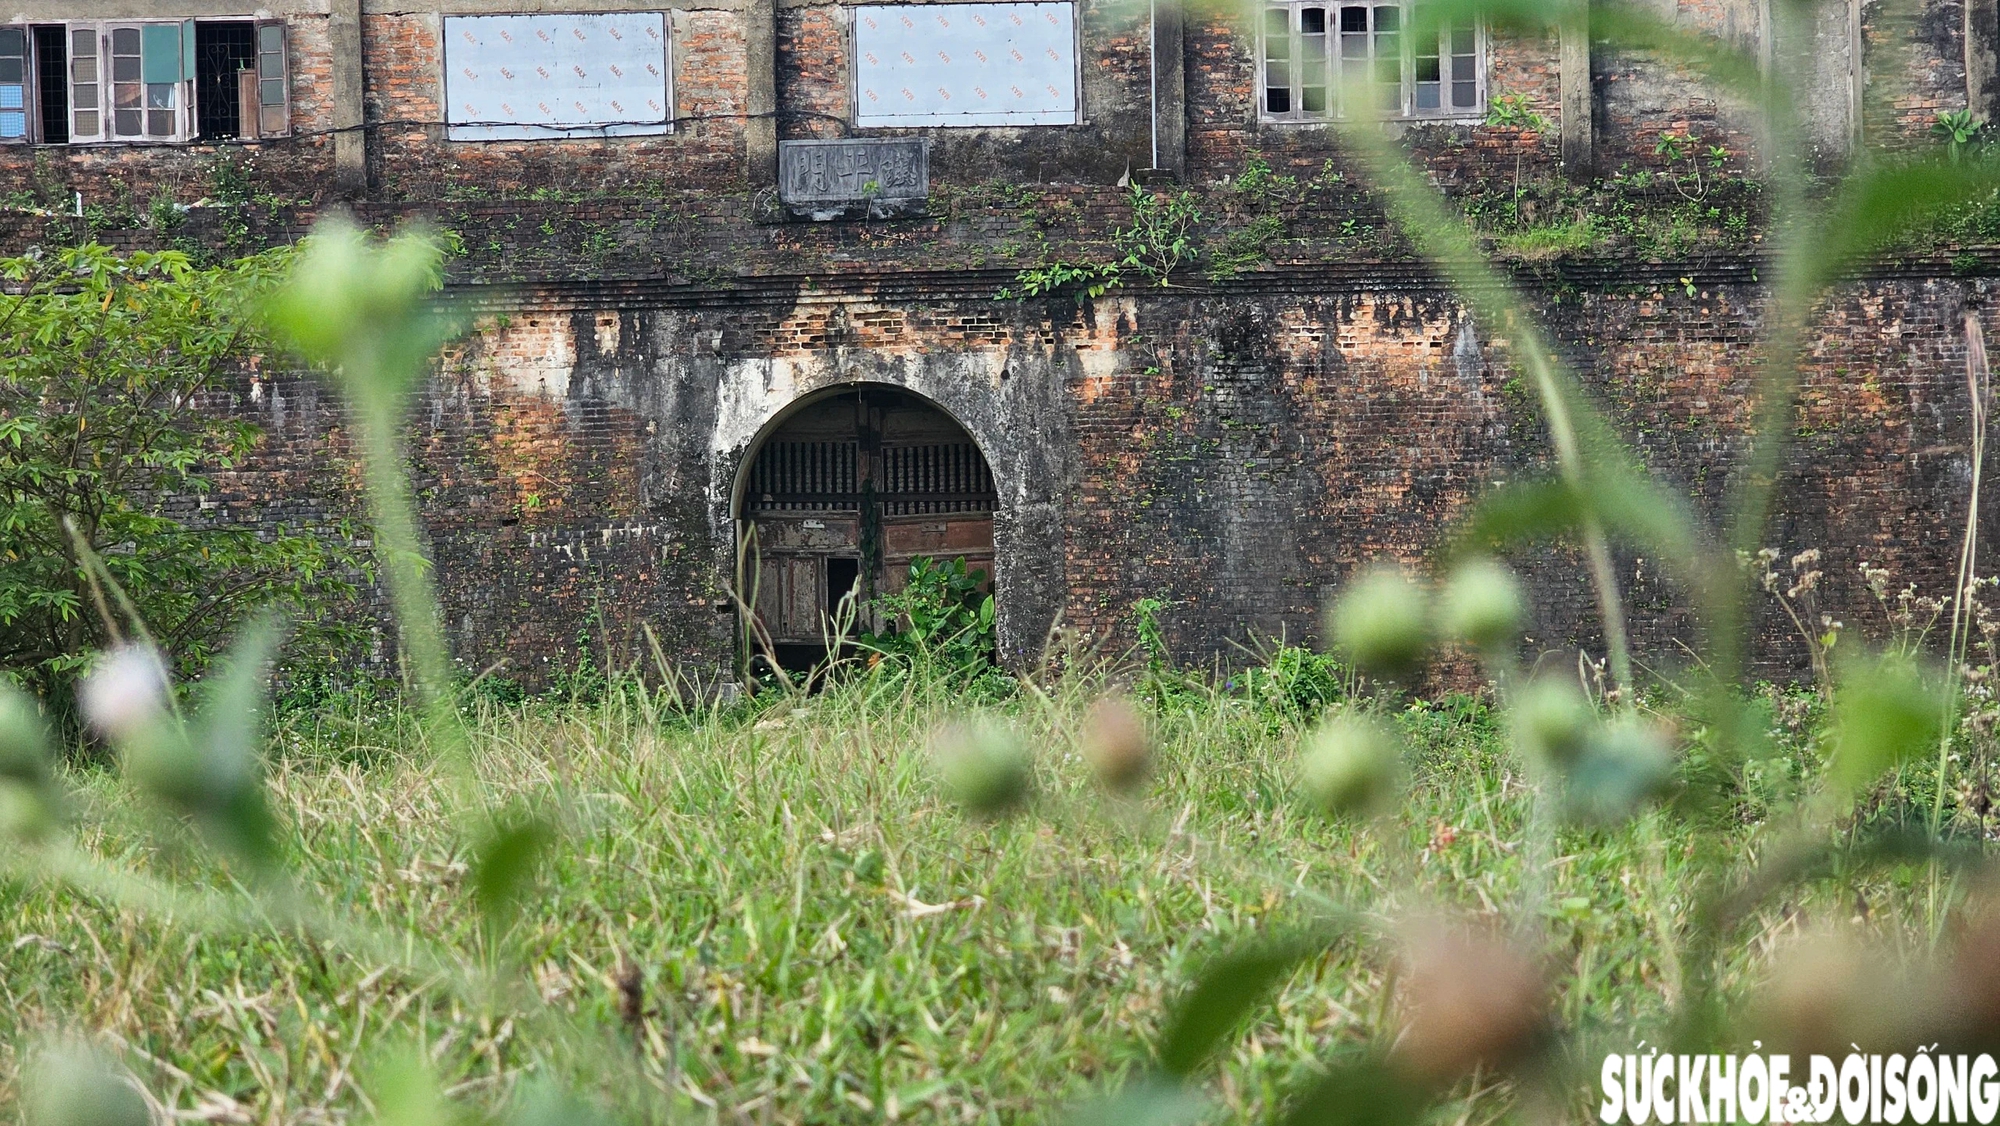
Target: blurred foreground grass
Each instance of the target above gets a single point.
(773, 914)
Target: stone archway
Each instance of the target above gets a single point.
(841, 494)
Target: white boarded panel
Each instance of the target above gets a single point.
(965, 64)
(512, 77)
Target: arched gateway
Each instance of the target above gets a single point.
(843, 493)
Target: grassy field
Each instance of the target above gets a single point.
(771, 914)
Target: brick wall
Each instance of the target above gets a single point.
(1233, 458)
(410, 159)
(1915, 69)
(1232, 447)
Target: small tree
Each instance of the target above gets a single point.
(105, 360)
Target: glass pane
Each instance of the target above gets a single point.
(126, 95)
(1427, 95)
(271, 93)
(1312, 99)
(1278, 74)
(1312, 21)
(1354, 18)
(86, 97)
(13, 41)
(159, 95)
(1465, 95)
(1427, 68)
(125, 41)
(83, 42)
(13, 123)
(271, 37)
(1312, 71)
(1277, 22)
(86, 123)
(84, 70)
(1354, 46)
(1277, 99)
(12, 69)
(125, 68)
(1461, 40)
(1462, 68)
(10, 97)
(126, 122)
(1387, 18)
(270, 66)
(160, 123)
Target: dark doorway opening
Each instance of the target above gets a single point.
(52, 83)
(223, 51)
(843, 496)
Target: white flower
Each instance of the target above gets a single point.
(125, 692)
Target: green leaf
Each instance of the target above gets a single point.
(211, 770)
(1366, 1092)
(24, 741)
(1885, 713)
(1148, 1102)
(405, 1093)
(74, 1084)
(1882, 203)
(504, 868)
(1224, 993)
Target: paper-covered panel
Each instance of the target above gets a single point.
(568, 75)
(965, 64)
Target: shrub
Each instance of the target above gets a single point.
(105, 360)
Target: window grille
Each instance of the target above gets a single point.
(148, 81)
(1314, 55)
(908, 480)
(946, 477)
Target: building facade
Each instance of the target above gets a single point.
(782, 266)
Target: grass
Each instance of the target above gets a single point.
(770, 914)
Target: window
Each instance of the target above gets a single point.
(574, 75)
(143, 81)
(1315, 54)
(13, 84)
(965, 64)
(52, 82)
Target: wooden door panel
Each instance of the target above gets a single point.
(805, 595)
(808, 533)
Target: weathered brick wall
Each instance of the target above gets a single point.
(1232, 448)
(1916, 70)
(411, 159)
(133, 175)
(1233, 458)
(1223, 127)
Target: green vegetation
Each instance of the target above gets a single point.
(105, 361)
(774, 909)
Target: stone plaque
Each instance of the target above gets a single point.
(875, 178)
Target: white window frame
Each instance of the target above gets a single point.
(1306, 54)
(179, 93)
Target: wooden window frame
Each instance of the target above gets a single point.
(273, 70)
(19, 97)
(1319, 58)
